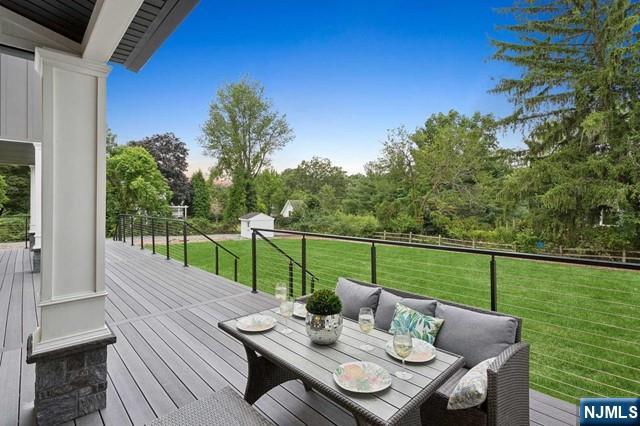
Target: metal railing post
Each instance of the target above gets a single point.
(494, 284)
(153, 235)
(217, 262)
(123, 229)
(26, 232)
(132, 237)
(184, 242)
(141, 233)
(303, 284)
(290, 278)
(235, 269)
(166, 234)
(374, 272)
(254, 266)
(313, 283)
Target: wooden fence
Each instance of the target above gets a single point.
(612, 255)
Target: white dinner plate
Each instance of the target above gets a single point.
(300, 310)
(421, 352)
(256, 323)
(362, 377)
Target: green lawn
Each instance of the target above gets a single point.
(582, 323)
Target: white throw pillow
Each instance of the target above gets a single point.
(471, 390)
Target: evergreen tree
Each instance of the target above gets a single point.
(201, 204)
(577, 98)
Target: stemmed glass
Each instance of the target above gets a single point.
(365, 321)
(281, 292)
(403, 345)
(286, 310)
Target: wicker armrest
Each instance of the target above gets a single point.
(508, 387)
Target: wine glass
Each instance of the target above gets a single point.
(286, 310)
(403, 345)
(365, 321)
(281, 292)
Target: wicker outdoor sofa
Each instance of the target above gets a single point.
(507, 400)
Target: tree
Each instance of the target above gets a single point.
(327, 199)
(397, 177)
(270, 192)
(111, 142)
(170, 154)
(241, 133)
(577, 97)
(442, 178)
(18, 181)
(3, 193)
(311, 175)
(201, 205)
(135, 185)
(459, 172)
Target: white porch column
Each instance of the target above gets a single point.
(32, 196)
(36, 197)
(73, 201)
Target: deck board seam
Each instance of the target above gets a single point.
(172, 310)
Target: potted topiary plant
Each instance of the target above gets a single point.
(324, 318)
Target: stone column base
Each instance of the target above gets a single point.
(70, 382)
(35, 261)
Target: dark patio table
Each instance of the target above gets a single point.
(275, 358)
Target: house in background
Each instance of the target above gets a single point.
(53, 90)
(179, 212)
(256, 220)
(291, 206)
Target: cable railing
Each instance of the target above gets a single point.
(292, 264)
(170, 237)
(580, 315)
(15, 229)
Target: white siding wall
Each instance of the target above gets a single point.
(20, 92)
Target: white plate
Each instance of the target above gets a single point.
(256, 323)
(421, 352)
(300, 310)
(362, 377)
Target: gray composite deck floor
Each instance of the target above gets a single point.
(169, 349)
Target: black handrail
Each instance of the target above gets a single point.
(217, 244)
(292, 261)
(282, 252)
(486, 252)
(121, 235)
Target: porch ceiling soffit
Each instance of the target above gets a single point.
(126, 32)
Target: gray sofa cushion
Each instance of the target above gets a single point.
(387, 307)
(355, 296)
(474, 335)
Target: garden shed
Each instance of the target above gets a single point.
(256, 220)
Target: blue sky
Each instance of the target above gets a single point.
(342, 71)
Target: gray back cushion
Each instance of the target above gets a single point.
(355, 296)
(474, 335)
(387, 307)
